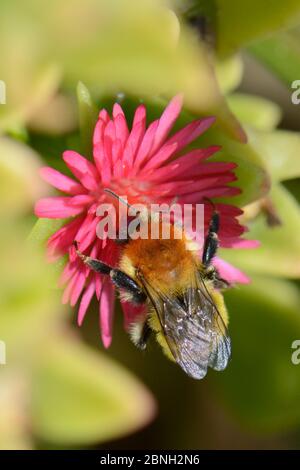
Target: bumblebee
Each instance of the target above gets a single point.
(182, 293)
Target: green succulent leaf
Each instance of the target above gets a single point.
(261, 384)
(82, 397)
(252, 176)
(20, 183)
(229, 73)
(281, 53)
(279, 253)
(258, 18)
(280, 150)
(87, 119)
(124, 45)
(41, 231)
(255, 111)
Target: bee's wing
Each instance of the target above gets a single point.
(194, 329)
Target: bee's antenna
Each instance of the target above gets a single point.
(109, 191)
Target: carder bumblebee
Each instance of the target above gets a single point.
(182, 293)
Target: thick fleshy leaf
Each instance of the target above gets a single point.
(87, 119)
(81, 397)
(236, 29)
(252, 176)
(27, 303)
(281, 53)
(132, 46)
(229, 73)
(20, 183)
(279, 253)
(261, 384)
(253, 110)
(57, 116)
(280, 151)
(40, 233)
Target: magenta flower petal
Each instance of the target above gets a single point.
(84, 171)
(190, 132)
(106, 309)
(167, 121)
(78, 288)
(122, 131)
(85, 302)
(61, 182)
(230, 273)
(146, 145)
(190, 162)
(133, 143)
(61, 207)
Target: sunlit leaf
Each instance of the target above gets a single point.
(123, 45)
(280, 150)
(229, 73)
(240, 23)
(87, 119)
(281, 53)
(81, 397)
(279, 253)
(253, 178)
(261, 384)
(28, 304)
(253, 110)
(20, 184)
(38, 236)
(58, 116)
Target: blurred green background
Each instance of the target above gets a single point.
(237, 60)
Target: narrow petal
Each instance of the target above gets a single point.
(77, 289)
(167, 121)
(176, 188)
(190, 132)
(243, 244)
(61, 207)
(60, 181)
(197, 197)
(230, 273)
(84, 170)
(146, 145)
(98, 131)
(69, 289)
(159, 158)
(133, 143)
(191, 162)
(106, 311)
(59, 243)
(85, 301)
(86, 234)
(122, 132)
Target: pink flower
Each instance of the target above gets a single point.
(146, 164)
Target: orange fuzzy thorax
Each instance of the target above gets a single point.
(167, 264)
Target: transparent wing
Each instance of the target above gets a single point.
(193, 328)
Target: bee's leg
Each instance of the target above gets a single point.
(118, 277)
(211, 241)
(140, 333)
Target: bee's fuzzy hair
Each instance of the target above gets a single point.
(136, 331)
